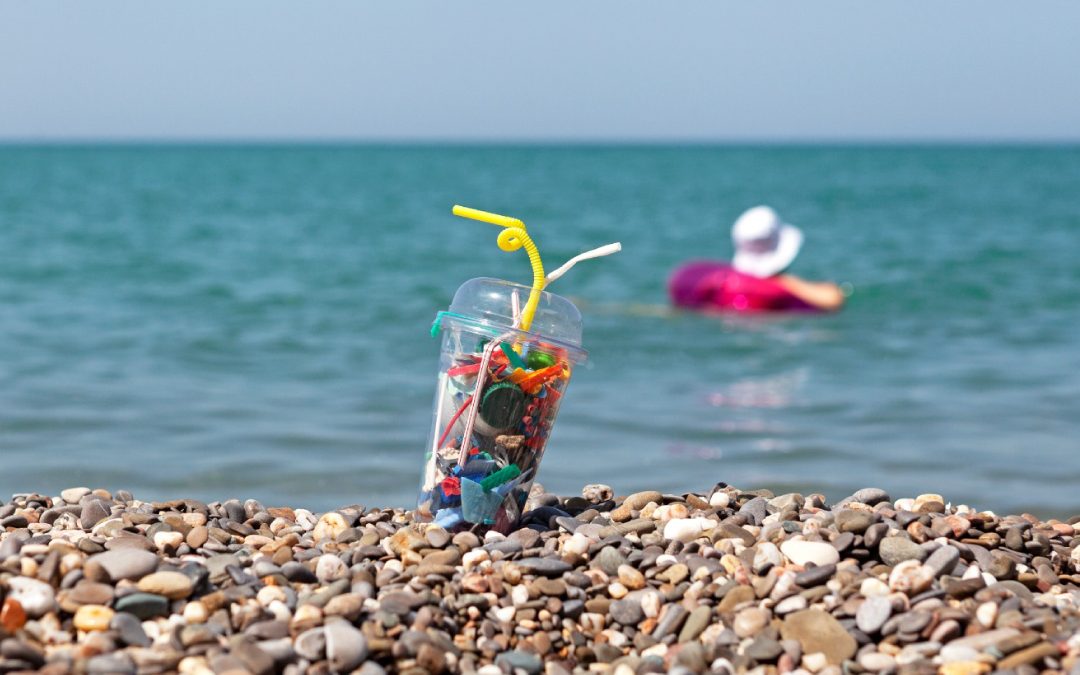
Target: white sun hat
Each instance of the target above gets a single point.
(764, 245)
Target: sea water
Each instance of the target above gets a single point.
(252, 321)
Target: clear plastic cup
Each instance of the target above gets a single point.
(517, 380)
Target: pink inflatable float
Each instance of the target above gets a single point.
(717, 286)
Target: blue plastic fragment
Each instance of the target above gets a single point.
(478, 506)
(447, 518)
(481, 466)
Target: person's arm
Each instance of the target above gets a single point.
(821, 294)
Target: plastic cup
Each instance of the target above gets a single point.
(500, 387)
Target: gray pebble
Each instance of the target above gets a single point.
(130, 629)
(544, 566)
(755, 510)
(627, 612)
(943, 560)
(895, 550)
(609, 559)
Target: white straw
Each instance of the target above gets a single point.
(515, 305)
(595, 253)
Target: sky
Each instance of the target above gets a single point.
(602, 70)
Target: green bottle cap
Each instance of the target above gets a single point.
(502, 405)
(538, 360)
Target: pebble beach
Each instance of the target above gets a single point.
(723, 581)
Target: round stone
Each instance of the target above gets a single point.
(346, 647)
(74, 495)
(873, 613)
(627, 611)
(120, 563)
(802, 552)
(895, 550)
(819, 632)
(631, 577)
(875, 662)
(850, 520)
(35, 597)
(93, 618)
(750, 622)
(172, 585)
(330, 568)
(609, 560)
(687, 529)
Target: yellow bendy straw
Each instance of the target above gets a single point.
(512, 238)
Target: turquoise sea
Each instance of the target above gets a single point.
(252, 321)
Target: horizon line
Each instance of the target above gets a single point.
(535, 141)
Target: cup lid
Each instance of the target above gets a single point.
(489, 303)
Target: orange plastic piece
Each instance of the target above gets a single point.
(532, 383)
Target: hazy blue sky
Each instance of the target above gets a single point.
(611, 69)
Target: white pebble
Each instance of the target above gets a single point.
(910, 577)
(168, 541)
(152, 629)
(278, 526)
(792, 603)
(871, 587)
(784, 585)
(505, 614)
(665, 560)
(330, 568)
(802, 552)
(268, 594)
(194, 665)
(687, 529)
(650, 604)
(876, 662)
(815, 661)
(616, 638)
(767, 555)
(36, 597)
(591, 622)
(328, 527)
(281, 611)
(519, 595)
(576, 545)
(107, 528)
(474, 557)
(305, 519)
(987, 613)
(671, 511)
(958, 653)
(71, 561)
(195, 612)
(719, 500)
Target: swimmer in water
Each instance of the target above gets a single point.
(754, 281)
